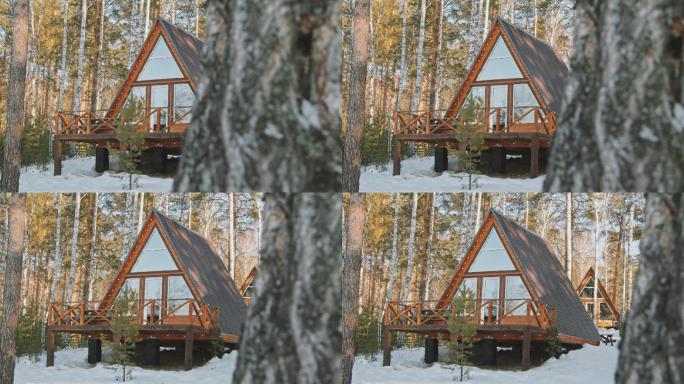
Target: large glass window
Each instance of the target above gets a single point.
(154, 256)
(137, 95)
(516, 295)
(177, 293)
(184, 98)
(160, 64)
(500, 64)
(605, 312)
(159, 105)
(498, 101)
(128, 298)
(588, 290)
(492, 256)
(153, 291)
(490, 298)
(523, 102)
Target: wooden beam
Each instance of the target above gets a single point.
(57, 156)
(526, 349)
(387, 348)
(188, 349)
(534, 157)
(50, 349)
(396, 157)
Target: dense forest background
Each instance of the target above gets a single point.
(605, 233)
(441, 39)
(75, 244)
(112, 36)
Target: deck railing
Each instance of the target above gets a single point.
(492, 120)
(484, 312)
(148, 120)
(147, 312)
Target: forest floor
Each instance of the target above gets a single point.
(78, 175)
(418, 175)
(71, 367)
(587, 365)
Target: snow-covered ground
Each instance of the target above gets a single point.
(78, 175)
(590, 364)
(71, 368)
(418, 175)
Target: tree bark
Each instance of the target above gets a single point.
(436, 81)
(74, 250)
(12, 287)
(16, 90)
(268, 112)
(93, 247)
(395, 257)
(568, 236)
(292, 333)
(231, 234)
(62, 67)
(415, 100)
(621, 120)
(402, 59)
(76, 102)
(57, 260)
(351, 269)
(431, 235)
(405, 293)
(356, 103)
(650, 350)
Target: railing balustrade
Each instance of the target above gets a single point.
(148, 120)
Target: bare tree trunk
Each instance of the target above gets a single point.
(436, 81)
(621, 120)
(276, 91)
(415, 100)
(12, 286)
(95, 91)
(596, 263)
(93, 253)
(16, 90)
(231, 234)
(76, 102)
(395, 257)
(402, 59)
(431, 235)
(568, 236)
(197, 16)
(74, 249)
(650, 350)
(147, 20)
(486, 20)
(62, 67)
(292, 333)
(405, 295)
(57, 260)
(351, 268)
(356, 102)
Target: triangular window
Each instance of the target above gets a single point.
(492, 256)
(160, 64)
(588, 290)
(154, 256)
(500, 64)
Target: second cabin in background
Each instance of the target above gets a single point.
(511, 97)
(159, 92)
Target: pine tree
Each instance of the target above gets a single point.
(125, 330)
(461, 330)
(130, 139)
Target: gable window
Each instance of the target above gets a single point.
(588, 290)
(177, 294)
(154, 256)
(523, 102)
(500, 64)
(492, 256)
(516, 296)
(184, 98)
(160, 64)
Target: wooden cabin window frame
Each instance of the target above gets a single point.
(510, 83)
(164, 275)
(501, 275)
(170, 108)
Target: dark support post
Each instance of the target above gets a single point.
(534, 157)
(153, 349)
(387, 349)
(57, 155)
(101, 159)
(396, 157)
(431, 350)
(94, 351)
(526, 349)
(484, 352)
(441, 159)
(188, 349)
(50, 349)
(498, 159)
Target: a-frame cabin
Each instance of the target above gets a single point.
(247, 287)
(512, 93)
(176, 290)
(163, 82)
(518, 287)
(606, 315)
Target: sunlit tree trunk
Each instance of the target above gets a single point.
(16, 91)
(431, 235)
(650, 350)
(415, 100)
(74, 250)
(622, 118)
(402, 58)
(437, 58)
(76, 102)
(93, 253)
(568, 235)
(268, 112)
(231, 234)
(62, 66)
(395, 255)
(12, 287)
(292, 333)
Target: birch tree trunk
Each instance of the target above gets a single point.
(395, 257)
(622, 117)
(231, 234)
(568, 236)
(596, 261)
(402, 59)
(76, 102)
(437, 61)
(93, 253)
(95, 91)
(57, 260)
(292, 333)
(431, 235)
(147, 21)
(268, 112)
(62, 66)
(197, 16)
(74, 249)
(415, 100)
(12, 286)
(356, 103)
(411, 240)
(650, 350)
(486, 20)
(16, 91)
(351, 270)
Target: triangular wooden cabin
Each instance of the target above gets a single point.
(514, 87)
(608, 315)
(180, 290)
(518, 287)
(247, 288)
(163, 80)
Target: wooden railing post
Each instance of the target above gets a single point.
(81, 315)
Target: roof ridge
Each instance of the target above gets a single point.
(499, 18)
(178, 28)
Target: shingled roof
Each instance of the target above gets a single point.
(542, 63)
(547, 278)
(207, 273)
(189, 49)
